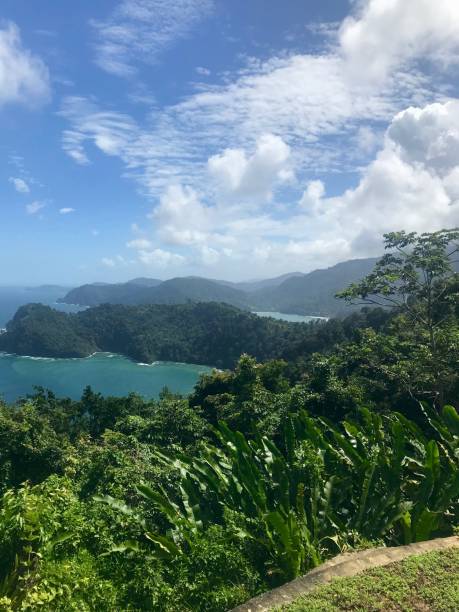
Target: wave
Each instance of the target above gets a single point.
(109, 356)
(150, 365)
(31, 357)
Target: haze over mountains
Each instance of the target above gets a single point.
(295, 293)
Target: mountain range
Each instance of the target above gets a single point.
(294, 293)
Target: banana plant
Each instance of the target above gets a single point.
(372, 477)
(435, 482)
(367, 457)
(282, 504)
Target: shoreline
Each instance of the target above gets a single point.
(108, 355)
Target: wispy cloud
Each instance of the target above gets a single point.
(19, 184)
(140, 30)
(66, 211)
(111, 132)
(108, 262)
(24, 77)
(232, 169)
(304, 100)
(34, 207)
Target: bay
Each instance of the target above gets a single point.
(291, 318)
(106, 373)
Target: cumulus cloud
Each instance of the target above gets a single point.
(412, 183)
(24, 77)
(181, 217)
(429, 136)
(252, 177)
(388, 33)
(140, 30)
(312, 195)
(19, 184)
(66, 211)
(34, 207)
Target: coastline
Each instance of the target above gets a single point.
(108, 355)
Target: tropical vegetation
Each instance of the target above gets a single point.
(266, 470)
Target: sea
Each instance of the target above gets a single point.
(13, 297)
(106, 373)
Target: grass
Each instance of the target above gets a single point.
(422, 583)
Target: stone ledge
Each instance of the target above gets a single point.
(342, 566)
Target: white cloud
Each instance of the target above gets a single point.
(302, 116)
(304, 101)
(388, 33)
(139, 244)
(66, 211)
(140, 30)
(412, 184)
(252, 177)
(34, 207)
(308, 101)
(108, 262)
(110, 132)
(24, 77)
(314, 192)
(203, 71)
(209, 256)
(19, 184)
(429, 136)
(181, 217)
(160, 258)
(367, 139)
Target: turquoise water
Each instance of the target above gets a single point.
(108, 374)
(291, 318)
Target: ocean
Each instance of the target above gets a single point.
(13, 297)
(108, 374)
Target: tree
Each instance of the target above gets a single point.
(418, 279)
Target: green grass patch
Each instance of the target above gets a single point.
(422, 583)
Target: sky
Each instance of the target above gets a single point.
(232, 139)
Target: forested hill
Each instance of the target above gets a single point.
(204, 333)
(173, 291)
(309, 294)
(314, 293)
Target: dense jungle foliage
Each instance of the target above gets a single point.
(263, 472)
(205, 333)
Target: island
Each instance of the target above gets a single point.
(202, 333)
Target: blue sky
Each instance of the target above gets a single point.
(235, 140)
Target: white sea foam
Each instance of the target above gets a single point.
(149, 365)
